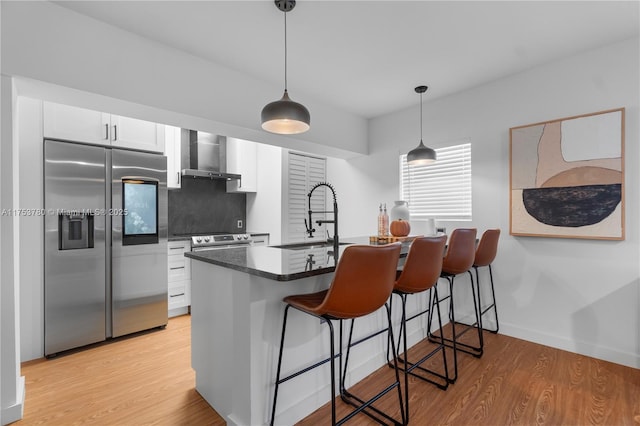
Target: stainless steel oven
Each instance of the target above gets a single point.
(219, 241)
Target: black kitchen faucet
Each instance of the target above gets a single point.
(309, 224)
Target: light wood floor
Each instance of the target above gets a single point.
(147, 380)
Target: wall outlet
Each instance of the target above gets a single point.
(239, 223)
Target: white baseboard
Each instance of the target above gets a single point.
(178, 311)
(579, 347)
(15, 412)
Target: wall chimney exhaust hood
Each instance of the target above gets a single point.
(204, 155)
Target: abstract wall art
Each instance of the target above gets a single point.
(567, 177)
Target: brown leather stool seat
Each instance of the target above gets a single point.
(485, 255)
(459, 260)
(419, 274)
(363, 281)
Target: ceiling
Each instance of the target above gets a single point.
(366, 57)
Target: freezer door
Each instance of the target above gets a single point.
(74, 266)
(139, 267)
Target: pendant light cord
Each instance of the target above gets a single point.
(285, 51)
(420, 117)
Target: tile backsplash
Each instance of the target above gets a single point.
(201, 206)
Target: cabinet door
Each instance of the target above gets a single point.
(172, 151)
(303, 172)
(242, 160)
(129, 132)
(75, 124)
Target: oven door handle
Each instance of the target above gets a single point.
(221, 247)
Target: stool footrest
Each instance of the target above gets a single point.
(462, 347)
(364, 406)
(416, 365)
(309, 368)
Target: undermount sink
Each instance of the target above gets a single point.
(309, 245)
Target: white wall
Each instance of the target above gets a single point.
(12, 385)
(578, 295)
(49, 43)
(264, 208)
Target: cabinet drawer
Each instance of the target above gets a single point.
(179, 268)
(179, 295)
(178, 247)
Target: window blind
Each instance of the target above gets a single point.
(441, 190)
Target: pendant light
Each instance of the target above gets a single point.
(285, 116)
(421, 155)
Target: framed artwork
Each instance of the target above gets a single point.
(567, 177)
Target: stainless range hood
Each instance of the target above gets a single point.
(204, 155)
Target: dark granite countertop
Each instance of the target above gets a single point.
(277, 263)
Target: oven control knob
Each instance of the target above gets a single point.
(238, 237)
(206, 239)
(245, 236)
(198, 240)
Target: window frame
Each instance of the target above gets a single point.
(454, 200)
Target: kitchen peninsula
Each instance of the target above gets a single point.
(236, 322)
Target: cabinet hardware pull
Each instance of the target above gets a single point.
(177, 267)
(178, 173)
(176, 248)
(115, 132)
(106, 131)
(176, 295)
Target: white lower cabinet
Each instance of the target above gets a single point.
(179, 274)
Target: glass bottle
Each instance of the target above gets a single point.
(385, 221)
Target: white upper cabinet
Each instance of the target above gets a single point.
(172, 151)
(242, 160)
(137, 134)
(76, 124)
(84, 125)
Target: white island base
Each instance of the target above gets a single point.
(236, 325)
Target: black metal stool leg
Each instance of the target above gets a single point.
(343, 376)
(493, 295)
(275, 392)
(333, 373)
(366, 407)
(493, 302)
(442, 342)
(452, 317)
(403, 334)
(476, 307)
(451, 343)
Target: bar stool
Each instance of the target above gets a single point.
(363, 281)
(485, 255)
(420, 273)
(458, 260)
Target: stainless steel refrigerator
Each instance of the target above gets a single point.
(105, 243)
